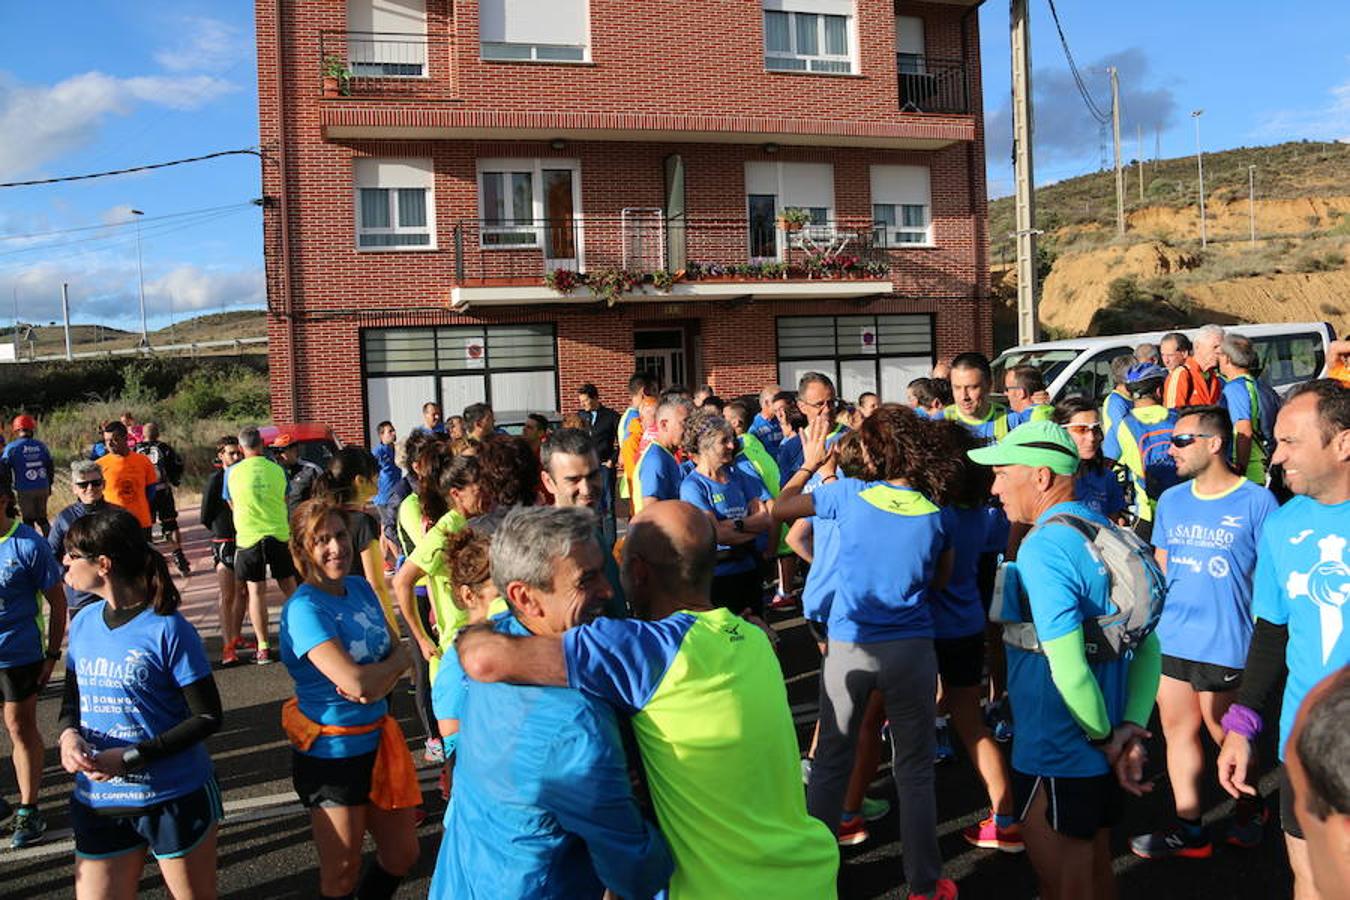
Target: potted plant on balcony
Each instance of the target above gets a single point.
(793, 219)
(564, 281)
(336, 77)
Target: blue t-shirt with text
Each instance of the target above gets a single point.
(356, 621)
(30, 462)
(769, 431)
(1303, 581)
(1099, 489)
(27, 568)
(1211, 557)
(131, 681)
(726, 501)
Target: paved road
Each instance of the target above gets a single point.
(266, 852)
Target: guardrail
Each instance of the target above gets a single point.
(929, 85)
(192, 347)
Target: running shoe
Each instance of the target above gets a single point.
(945, 889)
(944, 752)
(229, 654)
(874, 808)
(806, 770)
(180, 560)
(999, 720)
(434, 752)
(1249, 823)
(989, 836)
(853, 831)
(783, 601)
(264, 656)
(29, 827)
(243, 643)
(1170, 843)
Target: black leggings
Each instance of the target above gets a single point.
(421, 672)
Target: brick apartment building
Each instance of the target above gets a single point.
(462, 151)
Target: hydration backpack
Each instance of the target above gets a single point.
(1153, 441)
(1138, 588)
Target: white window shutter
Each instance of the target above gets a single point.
(808, 185)
(901, 185)
(395, 173)
(822, 7)
(533, 22)
(909, 34)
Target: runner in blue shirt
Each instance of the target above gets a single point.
(386, 458)
(1075, 721)
(31, 463)
(1251, 402)
(338, 649)
(659, 473)
(1096, 483)
(1206, 533)
(86, 479)
(893, 542)
(765, 424)
(29, 574)
(1299, 595)
(138, 705)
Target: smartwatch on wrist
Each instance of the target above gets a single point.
(131, 759)
(738, 524)
(54, 656)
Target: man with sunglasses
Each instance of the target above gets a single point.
(1300, 594)
(86, 478)
(1205, 532)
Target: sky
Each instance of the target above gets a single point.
(143, 82)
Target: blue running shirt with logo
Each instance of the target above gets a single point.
(659, 474)
(727, 501)
(30, 462)
(1211, 556)
(356, 621)
(27, 568)
(1303, 581)
(131, 680)
(957, 608)
(1099, 489)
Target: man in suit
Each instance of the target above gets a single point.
(603, 424)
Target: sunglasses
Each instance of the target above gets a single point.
(1186, 439)
(1083, 427)
(86, 484)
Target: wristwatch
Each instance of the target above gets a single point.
(738, 524)
(54, 656)
(131, 759)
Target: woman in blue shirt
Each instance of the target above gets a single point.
(1096, 484)
(734, 500)
(338, 649)
(892, 549)
(143, 778)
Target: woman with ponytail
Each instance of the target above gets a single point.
(891, 548)
(143, 778)
(350, 482)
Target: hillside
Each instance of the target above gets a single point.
(50, 339)
(1158, 275)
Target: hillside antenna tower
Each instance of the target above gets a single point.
(1024, 202)
(1200, 166)
(1115, 139)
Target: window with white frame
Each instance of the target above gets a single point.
(531, 203)
(809, 36)
(395, 207)
(387, 38)
(534, 30)
(771, 187)
(880, 354)
(901, 205)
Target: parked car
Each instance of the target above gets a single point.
(318, 443)
(1290, 354)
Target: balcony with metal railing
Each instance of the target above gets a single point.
(380, 64)
(642, 255)
(932, 85)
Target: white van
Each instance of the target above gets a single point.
(1290, 354)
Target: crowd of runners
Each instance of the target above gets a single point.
(582, 613)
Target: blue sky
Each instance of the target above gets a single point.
(142, 82)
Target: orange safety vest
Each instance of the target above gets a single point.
(393, 782)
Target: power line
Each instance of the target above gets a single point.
(1101, 117)
(144, 168)
(177, 215)
(108, 242)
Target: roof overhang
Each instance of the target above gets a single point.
(463, 298)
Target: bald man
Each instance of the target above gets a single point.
(1317, 759)
(708, 706)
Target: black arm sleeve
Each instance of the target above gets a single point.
(203, 702)
(1265, 665)
(69, 716)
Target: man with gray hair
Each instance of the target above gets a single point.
(1195, 381)
(765, 425)
(542, 770)
(658, 472)
(1118, 402)
(1147, 353)
(1253, 405)
(86, 479)
(255, 488)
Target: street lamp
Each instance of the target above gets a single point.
(1251, 201)
(140, 270)
(1200, 164)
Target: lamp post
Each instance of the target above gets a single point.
(140, 270)
(1200, 165)
(1251, 201)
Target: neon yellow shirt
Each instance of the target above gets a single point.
(429, 556)
(256, 489)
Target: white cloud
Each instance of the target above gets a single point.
(116, 215)
(1331, 121)
(58, 118)
(205, 45)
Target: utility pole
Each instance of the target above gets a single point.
(1200, 166)
(65, 315)
(1028, 328)
(1115, 137)
(140, 270)
(16, 319)
(1251, 201)
(1139, 136)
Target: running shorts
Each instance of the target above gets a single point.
(33, 504)
(1202, 677)
(961, 660)
(163, 510)
(1074, 807)
(170, 830)
(253, 563)
(18, 683)
(344, 781)
(222, 552)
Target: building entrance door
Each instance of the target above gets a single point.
(661, 353)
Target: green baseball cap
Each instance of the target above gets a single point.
(1032, 444)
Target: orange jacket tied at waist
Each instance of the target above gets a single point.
(393, 782)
